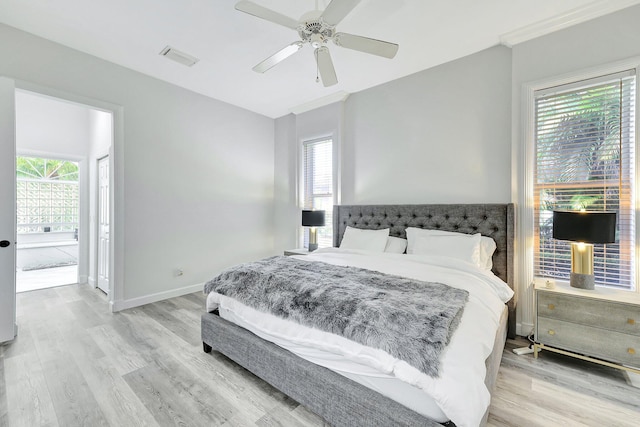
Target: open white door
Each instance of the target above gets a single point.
(7, 211)
(103, 224)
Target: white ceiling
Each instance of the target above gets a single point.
(229, 43)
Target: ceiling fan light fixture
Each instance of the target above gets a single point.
(316, 40)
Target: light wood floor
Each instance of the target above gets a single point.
(76, 364)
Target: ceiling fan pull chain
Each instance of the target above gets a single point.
(317, 67)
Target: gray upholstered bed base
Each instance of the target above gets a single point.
(339, 400)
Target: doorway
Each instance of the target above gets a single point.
(104, 134)
(61, 133)
(48, 206)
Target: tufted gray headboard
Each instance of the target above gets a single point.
(492, 220)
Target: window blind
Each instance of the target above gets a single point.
(318, 185)
(585, 159)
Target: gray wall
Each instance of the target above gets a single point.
(438, 136)
(285, 184)
(195, 174)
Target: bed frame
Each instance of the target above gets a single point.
(339, 400)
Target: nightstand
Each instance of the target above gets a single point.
(299, 251)
(601, 326)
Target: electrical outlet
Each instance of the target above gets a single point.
(179, 272)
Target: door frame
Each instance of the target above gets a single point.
(8, 323)
(116, 182)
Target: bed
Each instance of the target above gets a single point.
(351, 401)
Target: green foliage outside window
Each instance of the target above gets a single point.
(38, 168)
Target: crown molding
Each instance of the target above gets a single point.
(565, 20)
(321, 102)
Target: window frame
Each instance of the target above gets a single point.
(526, 164)
(39, 181)
(301, 177)
(613, 85)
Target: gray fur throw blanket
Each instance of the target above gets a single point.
(411, 320)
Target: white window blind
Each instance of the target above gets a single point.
(317, 176)
(585, 159)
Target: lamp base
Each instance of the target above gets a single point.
(313, 239)
(582, 281)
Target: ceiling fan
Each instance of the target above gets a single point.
(317, 28)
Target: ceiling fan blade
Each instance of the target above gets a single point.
(325, 66)
(337, 10)
(266, 14)
(365, 44)
(277, 57)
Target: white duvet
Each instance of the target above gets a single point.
(459, 392)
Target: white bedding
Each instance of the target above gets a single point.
(459, 392)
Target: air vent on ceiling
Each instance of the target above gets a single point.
(181, 57)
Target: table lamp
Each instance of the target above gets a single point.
(313, 219)
(583, 229)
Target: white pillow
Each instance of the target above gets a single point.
(368, 240)
(487, 244)
(460, 247)
(487, 248)
(395, 245)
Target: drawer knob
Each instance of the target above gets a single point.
(631, 321)
(552, 332)
(551, 306)
(631, 351)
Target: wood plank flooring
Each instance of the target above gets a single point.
(76, 364)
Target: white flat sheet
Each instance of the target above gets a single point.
(459, 392)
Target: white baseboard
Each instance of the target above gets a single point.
(148, 299)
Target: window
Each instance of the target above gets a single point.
(585, 159)
(317, 185)
(47, 195)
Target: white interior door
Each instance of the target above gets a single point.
(7, 211)
(103, 224)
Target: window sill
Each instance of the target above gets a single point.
(602, 292)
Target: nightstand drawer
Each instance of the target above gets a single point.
(609, 345)
(614, 316)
